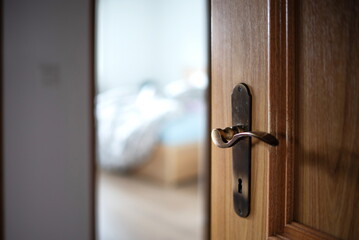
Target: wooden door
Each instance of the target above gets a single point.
(300, 60)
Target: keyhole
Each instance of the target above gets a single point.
(239, 185)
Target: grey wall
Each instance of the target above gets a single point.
(47, 119)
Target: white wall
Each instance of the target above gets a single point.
(47, 119)
(158, 40)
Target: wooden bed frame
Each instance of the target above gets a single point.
(172, 165)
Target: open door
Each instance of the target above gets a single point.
(300, 61)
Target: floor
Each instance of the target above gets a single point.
(130, 208)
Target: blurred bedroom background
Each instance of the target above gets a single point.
(151, 110)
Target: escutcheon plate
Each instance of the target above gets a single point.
(241, 116)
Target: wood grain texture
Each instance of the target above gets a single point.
(172, 165)
(281, 111)
(239, 54)
(312, 72)
(313, 59)
(299, 231)
(327, 124)
(131, 208)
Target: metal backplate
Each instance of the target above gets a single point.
(241, 116)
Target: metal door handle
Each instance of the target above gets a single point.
(239, 137)
(225, 138)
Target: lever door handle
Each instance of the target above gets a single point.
(225, 138)
(239, 137)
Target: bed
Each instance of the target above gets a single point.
(150, 134)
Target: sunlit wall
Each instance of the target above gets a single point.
(158, 40)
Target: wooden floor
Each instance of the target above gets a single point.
(130, 208)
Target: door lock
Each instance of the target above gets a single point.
(239, 138)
